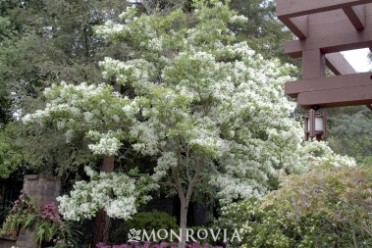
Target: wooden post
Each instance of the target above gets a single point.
(313, 64)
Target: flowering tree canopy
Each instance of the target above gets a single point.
(208, 108)
(94, 110)
(118, 194)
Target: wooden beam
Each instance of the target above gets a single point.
(356, 16)
(337, 63)
(334, 42)
(333, 32)
(293, 89)
(328, 27)
(298, 26)
(294, 8)
(342, 97)
(340, 66)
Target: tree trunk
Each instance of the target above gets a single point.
(185, 202)
(184, 207)
(102, 228)
(103, 222)
(185, 198)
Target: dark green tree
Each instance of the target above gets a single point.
(5, 104)
(52, 41)
(351, 132)
(44, 42)
(263, 31)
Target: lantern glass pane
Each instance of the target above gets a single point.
(319, 125)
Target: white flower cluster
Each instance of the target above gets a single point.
(110, 29)
(205, 137)
(147, 138)
(80, 110)
(107, 144)
(131, 71)
(156, 44)
(128, 14)
(238, 19)
(117, 194)
(123, 208)
(166, 161)
(315, 154)
(232, 188)
(65, 103)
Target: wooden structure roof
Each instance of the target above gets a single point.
(324, 29)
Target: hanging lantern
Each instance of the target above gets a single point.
(315, 125)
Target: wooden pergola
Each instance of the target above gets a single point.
(324, 29)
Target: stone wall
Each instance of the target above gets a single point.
(45, 189)
(25, 240)
(7, 242)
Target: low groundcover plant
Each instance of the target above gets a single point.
(155, 245)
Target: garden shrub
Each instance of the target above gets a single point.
(144, 221)
(46, 225)
(323, 208)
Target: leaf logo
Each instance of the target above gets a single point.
(134, 235)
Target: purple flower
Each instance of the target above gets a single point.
(193, 245)
(316, 190)
(122, 246)
(174, 245)
(50, 212)
(102, 245)
(146, 244)
(164, 244)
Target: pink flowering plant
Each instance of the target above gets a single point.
(50, 212)
(49, 223)
(22, 215)
(24, 203)
(44, 222)
(148, 244)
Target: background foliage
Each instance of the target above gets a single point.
(45, 41)
(327, 207)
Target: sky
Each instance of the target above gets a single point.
(358, 59)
